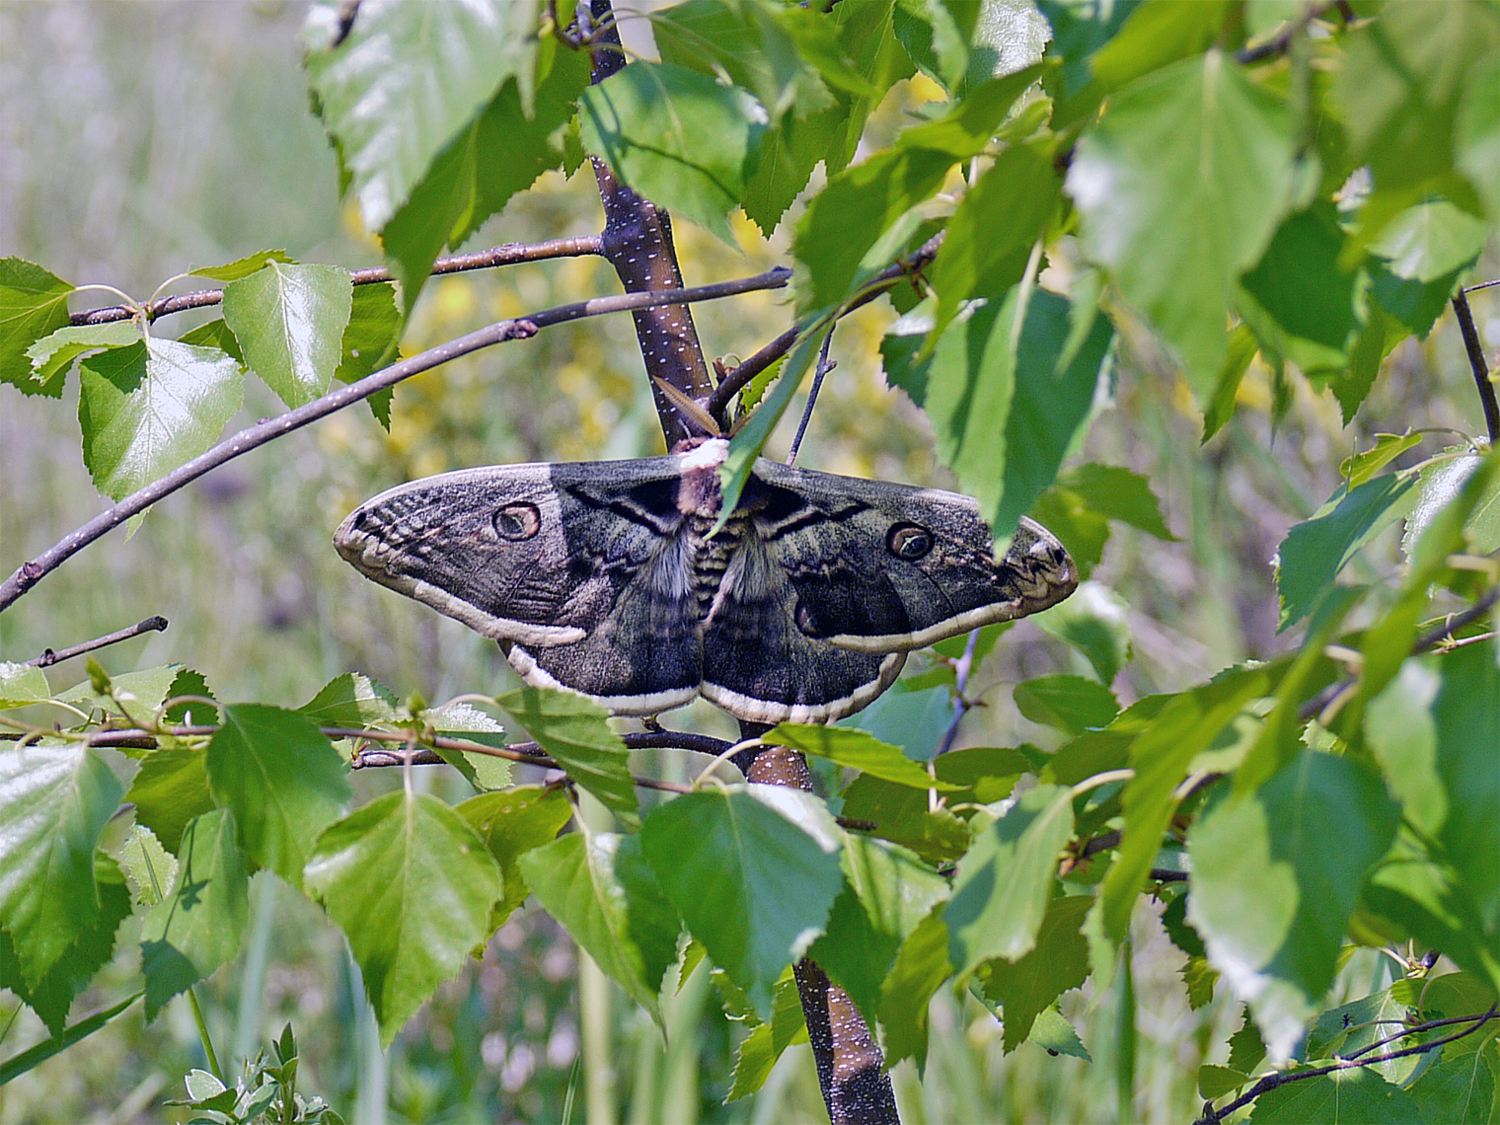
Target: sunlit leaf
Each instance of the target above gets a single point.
(283, 780)
(55, 798)
(573, 732)
(1027, 985)
(753, 871)
(1003, 882)
(411, 885)
(1180, 188)
(351, 700)
(33, 304)
(151, 407)
(406, 79)
(856, 749)
(600, 887)
(198, 926)
(290, 321)
(512, 822)
(1276, 877)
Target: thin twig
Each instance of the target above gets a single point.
(1478, 365)
(1283, 39)
(508, 254)
(30, 573)
(1212, 1116)
(1425, 643)
(882, 282)
(812, 396)
(51, 657)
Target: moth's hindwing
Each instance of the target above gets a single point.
(598, 577)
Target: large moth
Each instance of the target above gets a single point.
(606, 578)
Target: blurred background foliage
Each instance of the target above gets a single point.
(141, 139)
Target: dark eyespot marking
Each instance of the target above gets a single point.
(517, 522)
(908, 541)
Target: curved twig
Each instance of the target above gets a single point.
(508, 254)
(32, 572)
(51, 657)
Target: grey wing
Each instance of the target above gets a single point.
(878, 567)
(569, 566)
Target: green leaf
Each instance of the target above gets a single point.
(511, 822)
(55, 799)
(406, 80)
(283, 780)
(1055, 1035)
(677, 137)
(789, 152)
(1072, 704)
(290, 321)
(198, 926)
(75, 970)
(887, 893)
(1403, 77)
(31, 1058)
(1119, 494)
(501, 153)
(149, 868)
(1094, 622)
(1299, 302)
(1272, 897)
(1004, 881)
(1160, 755)
(753, 871)
(22, 685)
(52, 356)
(856, 749)
(151, 407)
(1443, 484)
(750, 43)
(914, 720)
(847, 218)
(747, 444)
(1475, 126)
(1466, 718)
(991, 233)
(1361, 467)
(1316, 550)
(1155, 35)
(170, 789)
(371, 335)
(601, 889)
(921, 968)
(573, 732)
(243, 267)
(1027, 986)
(1180, 188)
(900, 815)
(1216, 1081)
(351, 700)
(1356, 1096)
(134, 696)
(1455, 1091)
(759, 1050)
(33, 304)
(1431, 241)
(411, 885)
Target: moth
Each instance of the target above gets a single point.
(607, 578)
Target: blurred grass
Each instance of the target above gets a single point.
(143, 138)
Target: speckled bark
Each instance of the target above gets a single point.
(856, 1088)
(637, 242)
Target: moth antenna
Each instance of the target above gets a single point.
(689, 408)
(824, 367)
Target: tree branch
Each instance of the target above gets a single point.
(883, 282)
(1478, 365)
(508, 254)
(49, 658)
(30, 573)
(1212, 1116)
